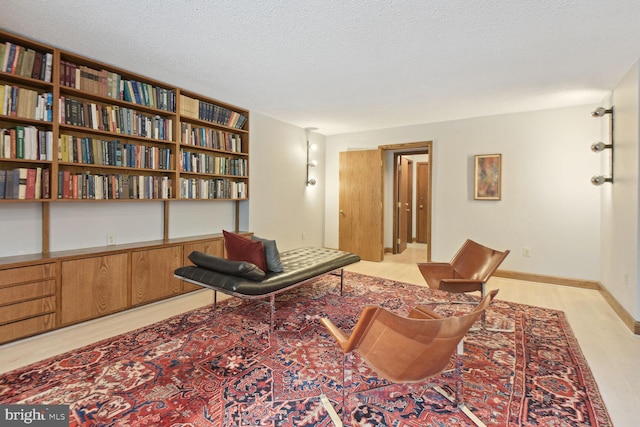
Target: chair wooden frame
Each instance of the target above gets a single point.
(410, 349)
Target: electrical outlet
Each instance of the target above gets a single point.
(111, 239)
(526, 251)
(304, 235)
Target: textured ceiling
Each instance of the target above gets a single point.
(345, 66)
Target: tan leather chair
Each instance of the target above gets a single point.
(468, 271)
(411, 349)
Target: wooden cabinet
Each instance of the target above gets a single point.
(44, 293)
(152, 274)
(93, 287)
(28, 301)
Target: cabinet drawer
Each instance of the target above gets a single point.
(28, 327)
(26, 309)
(12, 276)
(28, 291)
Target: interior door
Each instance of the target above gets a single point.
(422, 196)
(403, 204)
(360, 204)
(410, 201)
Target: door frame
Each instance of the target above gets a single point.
(410, 148)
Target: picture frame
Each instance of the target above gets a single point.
(488, 177)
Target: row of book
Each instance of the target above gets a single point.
(113, 85)
(25, 62)
(219, 188)
(24, 183)
(26, 142)
(114, 118)
(95, 151)
(210, 112)
(18, 101)
(205, 163)
(210, 138)
(34, 183)
(113, 186)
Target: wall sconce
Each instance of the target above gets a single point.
(310, 163)
(598, 147)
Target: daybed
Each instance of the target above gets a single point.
(231, 277)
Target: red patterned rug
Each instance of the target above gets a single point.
(220, 368)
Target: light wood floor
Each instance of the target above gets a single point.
(611, 350)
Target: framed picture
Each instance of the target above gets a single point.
(488, 177)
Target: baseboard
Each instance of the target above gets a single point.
(627, 319)
(554, 280)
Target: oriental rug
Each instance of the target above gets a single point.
(221, 367)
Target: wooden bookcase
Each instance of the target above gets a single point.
(109, 135)
(75, 130)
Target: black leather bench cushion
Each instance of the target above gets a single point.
(299, 265)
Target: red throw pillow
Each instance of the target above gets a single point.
(240, 248)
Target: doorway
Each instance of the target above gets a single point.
(363, 207)
(412, 201)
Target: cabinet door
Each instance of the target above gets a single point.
(213, 247)
(152, 274)
(93, 287)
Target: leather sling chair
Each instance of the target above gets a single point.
(468, 271)
(410, 349)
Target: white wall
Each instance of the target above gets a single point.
(548, 203)
(620, 201)
(76, 225)
(282, 206)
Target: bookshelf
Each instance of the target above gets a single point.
(76, 130)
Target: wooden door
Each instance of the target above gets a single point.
(212, 247)
(422, 201)
(93, 287)
(360, 204)
(152, 274)
(410, 202)
(403, 204)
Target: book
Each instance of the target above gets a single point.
(38, 189)
(11, 190)
(30, 187)
(16, 57)
(4, 57)
(21, 182)
(19, 142)
(48, 66)
(46, 184)
(6, 66)
(66, 178)
(49, 144)
(37, 65)
(3, 179)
